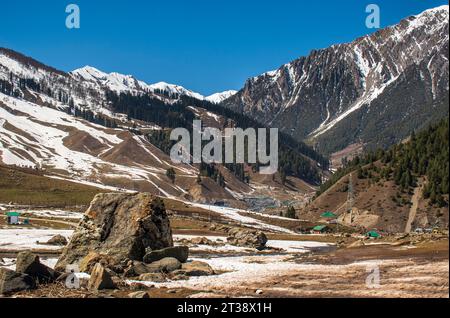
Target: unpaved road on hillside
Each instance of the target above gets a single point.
(413, 211)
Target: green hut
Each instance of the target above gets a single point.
(319, 229)
(13, 218)
(373, 234)
(328, 215)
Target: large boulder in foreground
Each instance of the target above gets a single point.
(12, 282)
(121, 226)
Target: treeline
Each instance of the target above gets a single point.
(161, 139)
(150, 109)
(426, 154)
(212, 171)
(294, 157)
(8, 89)
(16, 86)
(243, 121)
(92, 117)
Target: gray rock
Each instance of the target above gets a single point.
(100, 279)
(121, 226)
(197, 268)
(11, 281)
(181, 253)
(136, 269)
(57, 240)
(166, 265)
(29, 263)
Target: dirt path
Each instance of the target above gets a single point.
(413, 211)
(54, 223)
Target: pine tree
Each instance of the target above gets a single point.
(290, 213)
(170, 173)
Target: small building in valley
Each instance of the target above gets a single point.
(13, 218)
(320, 229)
(328, 215)
(373, 234)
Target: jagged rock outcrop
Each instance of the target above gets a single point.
(121, 226)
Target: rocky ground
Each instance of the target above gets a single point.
(194, 258)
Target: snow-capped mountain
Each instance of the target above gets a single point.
(375, 90)
(87, 85)
(174, 89)
(60, 124)
(114, 81)
(127, 83)
(217, 98)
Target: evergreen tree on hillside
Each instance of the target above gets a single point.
(170, 173)
(426, 154)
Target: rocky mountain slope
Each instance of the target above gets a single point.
(373, 91)
(94, 128)
(59, 124)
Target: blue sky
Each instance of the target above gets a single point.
(204, 45)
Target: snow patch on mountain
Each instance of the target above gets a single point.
(127, 83)
(217, 98)
(114, 81)
(174, 89)
(9, 64)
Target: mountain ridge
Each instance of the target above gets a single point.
(311, 97)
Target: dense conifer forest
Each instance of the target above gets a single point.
(425, 154)
(293, 156)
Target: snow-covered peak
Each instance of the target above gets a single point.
(114, 81)
(442, 8)
(121, 83)
(431, 20)
(220, 97)
(174, 89)
(90, 73)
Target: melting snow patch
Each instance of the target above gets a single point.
(22, 239)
